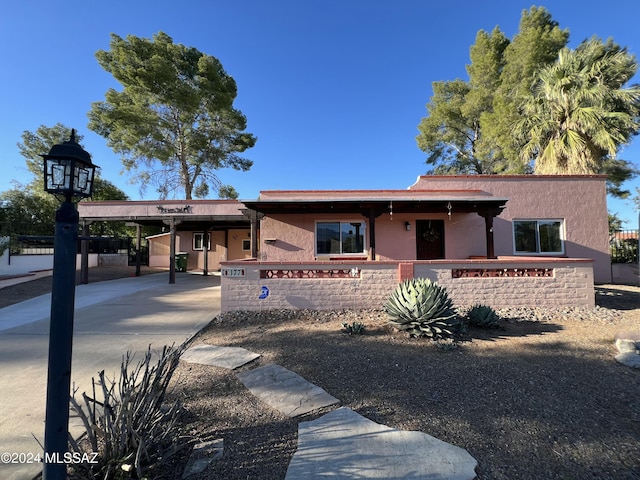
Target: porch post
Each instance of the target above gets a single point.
(372, 233)
(488, 226)
(255, 218)
(488, 216)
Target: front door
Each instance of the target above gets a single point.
(429, 239)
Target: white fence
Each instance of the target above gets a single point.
(25, 264)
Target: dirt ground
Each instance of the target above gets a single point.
(535, 399)
(540, 398)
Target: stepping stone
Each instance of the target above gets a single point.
(284, 390)
(225, 357)
(628, 344)
(345, 445)
(202, 455)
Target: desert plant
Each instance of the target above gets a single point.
(422, 308)
(356, 328)
(482, 316)
(129, 427)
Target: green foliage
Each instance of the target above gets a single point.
(126, 421)
(581, 113)
(421, 308)
(173, 123)
(482, 316)
(26, 212)
(29, 210)
(615, 223)
(573, 121)
(537, 43)
(228, 192)
(356, 328)
(39, 142)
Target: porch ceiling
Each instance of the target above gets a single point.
(366, 206)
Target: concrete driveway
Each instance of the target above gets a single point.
(111, 318)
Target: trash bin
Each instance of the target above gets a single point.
(181, 261)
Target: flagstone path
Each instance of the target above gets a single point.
(341, 444)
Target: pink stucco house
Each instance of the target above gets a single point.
(493, 239)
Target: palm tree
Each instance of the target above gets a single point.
(579, 113)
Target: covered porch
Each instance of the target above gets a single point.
(423, 213)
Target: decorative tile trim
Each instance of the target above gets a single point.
(312, 273)
(500, 272)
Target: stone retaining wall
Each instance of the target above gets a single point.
(363, 284)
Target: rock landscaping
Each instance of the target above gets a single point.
(541, 397)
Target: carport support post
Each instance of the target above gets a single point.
(205, 252)
(138, 252)
(172, 251)
(84, 254)
(56, 431)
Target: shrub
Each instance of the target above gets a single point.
(356, 328)
(129, 427)
(482, 316)
(422, 308)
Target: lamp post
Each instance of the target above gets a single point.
(68, 174)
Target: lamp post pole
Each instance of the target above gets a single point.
(56, 433)
(68, 173)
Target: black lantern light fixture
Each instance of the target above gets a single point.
(68, 170)
(68, 173)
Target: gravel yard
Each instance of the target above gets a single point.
(539, 398)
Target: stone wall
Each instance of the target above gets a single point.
(363, 284)
(543, 284)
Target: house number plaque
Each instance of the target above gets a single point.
(233, 272)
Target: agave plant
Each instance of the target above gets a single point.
(482, 316)
(422, 308)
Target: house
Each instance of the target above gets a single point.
(502, 240)
(494, 239)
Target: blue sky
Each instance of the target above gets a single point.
(333, 89)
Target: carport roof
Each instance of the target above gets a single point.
(188, 214)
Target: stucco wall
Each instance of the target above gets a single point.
(570, 285)
(159, 248)
(581, 201)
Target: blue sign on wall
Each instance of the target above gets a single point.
(264, 294)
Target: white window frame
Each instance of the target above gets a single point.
(340, 222)
(539, 221)
(201, 236)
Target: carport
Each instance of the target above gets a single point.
(172, 216)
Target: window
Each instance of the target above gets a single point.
(339, 238)
(538, 236)
(246, 245)
(197, 241)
